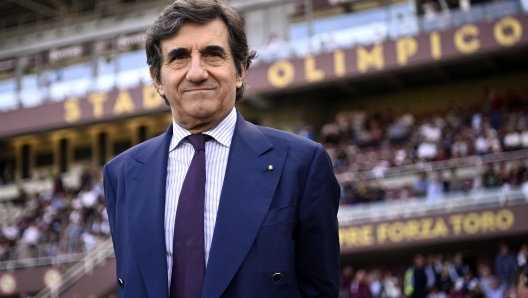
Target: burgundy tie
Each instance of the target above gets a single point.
(188, 251)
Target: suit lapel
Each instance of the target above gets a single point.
(246, 196)
(145, 184)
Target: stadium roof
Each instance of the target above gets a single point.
(20, 15)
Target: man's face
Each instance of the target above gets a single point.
(198, 75)
(521, 291)
(418, 261)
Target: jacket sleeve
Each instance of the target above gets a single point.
(110, 197)
(317, 238)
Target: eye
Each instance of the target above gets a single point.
(214, 54)
(178, 54)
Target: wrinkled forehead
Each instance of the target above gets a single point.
(192, 35)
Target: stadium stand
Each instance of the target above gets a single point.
(434, 143)
(433, 169)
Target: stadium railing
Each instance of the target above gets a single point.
(390, 210)
(474, 161)
(83, 267)
(367, 34)
(41, 261)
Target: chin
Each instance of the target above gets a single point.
(202, 112)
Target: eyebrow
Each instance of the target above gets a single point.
(215, 49)
(176, 52)
(185, 51)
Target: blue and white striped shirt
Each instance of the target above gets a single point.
(181, 153)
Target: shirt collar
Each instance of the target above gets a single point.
(222, 132)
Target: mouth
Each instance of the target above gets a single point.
(197, 90)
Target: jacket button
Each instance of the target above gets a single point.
(276, 277)
(121, 283)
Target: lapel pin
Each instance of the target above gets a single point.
(270, 168)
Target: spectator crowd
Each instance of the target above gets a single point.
(75, 220)
(438, 185)
(370, 143)
(64, 221)
(498, 123)
(439, 276)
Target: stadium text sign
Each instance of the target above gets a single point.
(468, 39)
(117, 103)
(434, 229)
(95, 107)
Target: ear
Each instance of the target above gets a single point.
(240, 76)
(157, 82)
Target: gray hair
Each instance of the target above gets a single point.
(201, 12)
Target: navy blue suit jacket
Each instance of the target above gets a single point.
(279, 221)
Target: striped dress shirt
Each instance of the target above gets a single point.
(181, 153)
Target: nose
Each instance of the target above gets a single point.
(196, 73)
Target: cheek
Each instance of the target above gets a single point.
(172, 77)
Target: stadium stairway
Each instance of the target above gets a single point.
(93, 276)
(98, 284)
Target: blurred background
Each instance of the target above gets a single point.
(422, 106)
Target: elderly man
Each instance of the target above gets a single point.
(216, 206)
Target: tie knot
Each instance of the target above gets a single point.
(198, 141)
